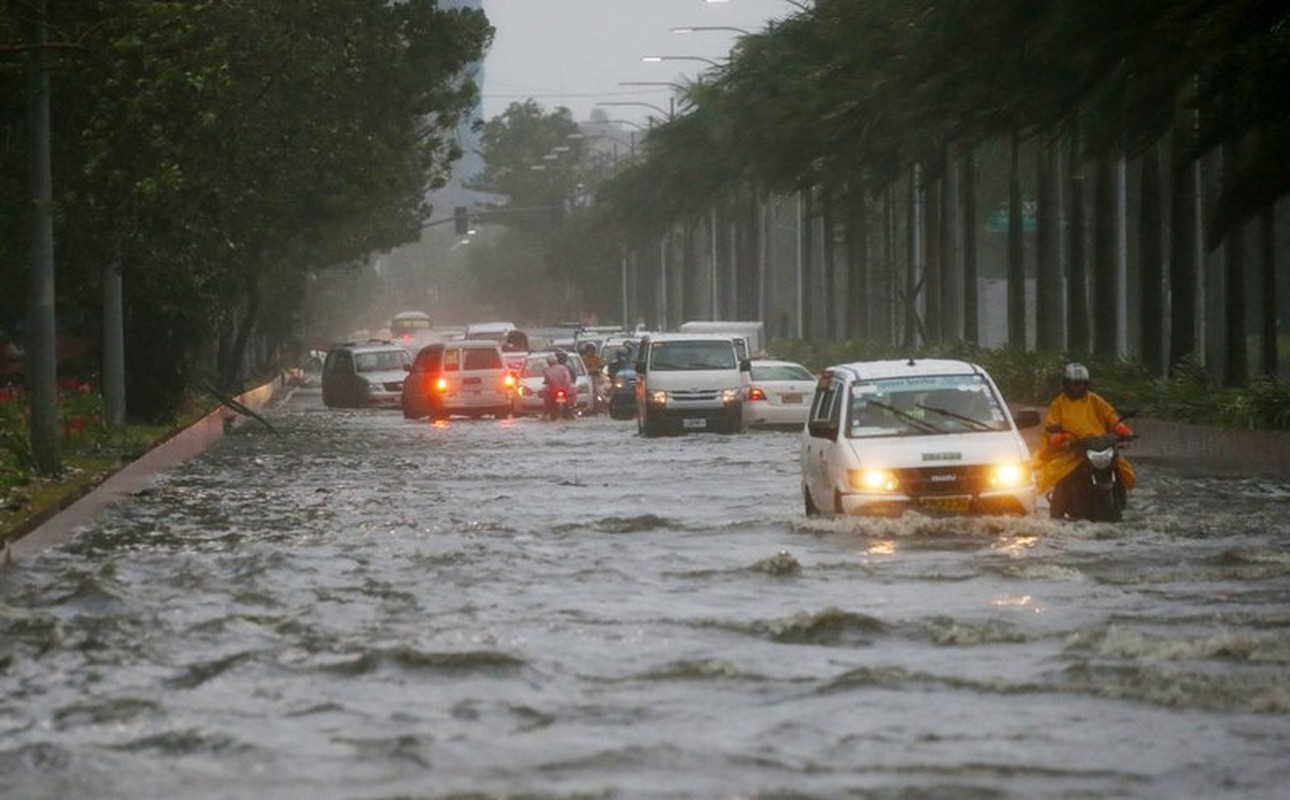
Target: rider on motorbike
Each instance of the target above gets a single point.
(555, 377)
(1076, 413)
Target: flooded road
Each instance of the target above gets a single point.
(368, 607)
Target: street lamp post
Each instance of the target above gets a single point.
(696, 28)
(666, 113)
(655, 59)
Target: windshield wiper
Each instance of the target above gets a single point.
(921, 424)
(974, 423)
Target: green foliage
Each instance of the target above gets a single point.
(214, 152)
(17, 461)
(851, 93)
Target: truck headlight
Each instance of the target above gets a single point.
(729, 396)
(658, 397)
(872, 479)
(1009, 475)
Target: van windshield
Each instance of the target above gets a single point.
(923, 405)
(381, 360)
(694, 355)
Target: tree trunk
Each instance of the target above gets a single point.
(884, 326)
(911, 327)
(113, 348)
(932, 268)
(828, 202)
(1268, 240)
(232, 374)
(1016, 251)
(1048, 267)
(41, 339)
(1236, 368)
(1182, 248)
(967, 192)
(860, 288)
(806, 232)
(1151, 310)
(949, 316)
(1077, 331)
(1105, 284)
(689, 289)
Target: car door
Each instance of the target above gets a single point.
(820, 440)
(343, 379)
(452, 376)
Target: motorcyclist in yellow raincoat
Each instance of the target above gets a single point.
(1074, 414)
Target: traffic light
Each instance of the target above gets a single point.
(460, 222)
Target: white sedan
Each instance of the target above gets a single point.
(779, 395)
(528, 395)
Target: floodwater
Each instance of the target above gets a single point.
(367, 607)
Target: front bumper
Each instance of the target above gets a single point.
(1019, 501)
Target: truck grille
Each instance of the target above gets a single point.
(947, 480)
(695, 395)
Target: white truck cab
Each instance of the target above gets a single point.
(932, 435)
(689, 382)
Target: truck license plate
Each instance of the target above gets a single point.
(692, 422)
(946, 505)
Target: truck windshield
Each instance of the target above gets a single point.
(923, 405)
(693, 355)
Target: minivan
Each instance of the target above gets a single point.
(933, 435)
(466, 377)
(689, 382)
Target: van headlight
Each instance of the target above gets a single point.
(658, 397)
(1009, 475)
(872, 479)
(729, 396)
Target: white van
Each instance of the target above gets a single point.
(928, 434)
(689, 382)
(496, 331)
(749, 335)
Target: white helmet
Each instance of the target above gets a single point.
(1075, 371)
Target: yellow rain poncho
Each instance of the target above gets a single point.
(1088, 416)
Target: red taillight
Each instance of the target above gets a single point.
(755, 393)
(561, 394)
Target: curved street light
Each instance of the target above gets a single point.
(679, 87)
(635, 125)
(695, 28)
(662, 111)
(652, 59)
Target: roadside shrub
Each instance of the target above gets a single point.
(1265, 404)
(1034, 378)
(16, 457)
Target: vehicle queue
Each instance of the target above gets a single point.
(876, 437)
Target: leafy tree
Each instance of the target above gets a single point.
(214, 151)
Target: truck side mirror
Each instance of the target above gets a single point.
(1027, 419)
(745, 365)
(822, 429)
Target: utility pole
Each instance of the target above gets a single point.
(41, 347)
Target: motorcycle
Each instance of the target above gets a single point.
(559, 403)
(1092, 491)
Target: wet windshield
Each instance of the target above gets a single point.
(381, 360)
(781, 372)
(696, 355)
(931, 404)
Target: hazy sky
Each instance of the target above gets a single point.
(575, 53)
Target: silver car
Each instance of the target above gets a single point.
(369, 373)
